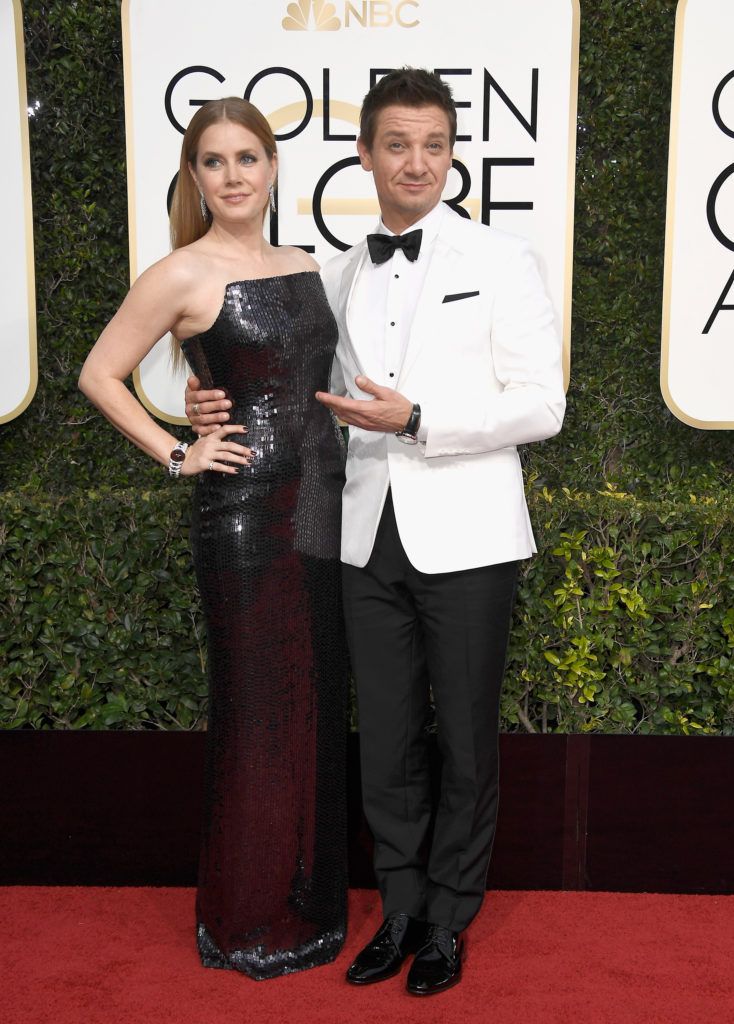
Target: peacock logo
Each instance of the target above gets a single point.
(305, 15)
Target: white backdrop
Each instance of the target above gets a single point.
(513, 66)
(17, 288)
(697, 366)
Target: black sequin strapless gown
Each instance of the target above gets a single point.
(272, 875)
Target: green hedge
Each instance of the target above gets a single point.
(641, 650)
(99, 612)
(624, 621)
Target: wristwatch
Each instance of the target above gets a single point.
(176, 459)
(409, 433)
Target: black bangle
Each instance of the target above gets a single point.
(409, 433)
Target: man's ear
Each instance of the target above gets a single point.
(365, 157)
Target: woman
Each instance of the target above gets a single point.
(253, 320)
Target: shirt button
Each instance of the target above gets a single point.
(392, 374)
(397, 275)
(392, 323)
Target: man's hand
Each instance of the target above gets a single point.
(206, 410)
(388, 411)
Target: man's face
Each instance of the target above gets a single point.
(409, 159)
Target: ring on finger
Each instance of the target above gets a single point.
(195, 408)
(210, 467)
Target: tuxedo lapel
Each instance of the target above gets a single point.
(443, 271)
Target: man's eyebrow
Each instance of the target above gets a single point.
(398, 133)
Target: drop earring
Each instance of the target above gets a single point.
(204, 208)
(271, 195)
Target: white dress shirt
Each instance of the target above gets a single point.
(385, 299)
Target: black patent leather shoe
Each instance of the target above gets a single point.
(398, 936)
(437, 964)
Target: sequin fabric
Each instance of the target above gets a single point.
(272, 875)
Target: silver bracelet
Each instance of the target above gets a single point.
(176, 459)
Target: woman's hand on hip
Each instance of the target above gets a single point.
(213, 452)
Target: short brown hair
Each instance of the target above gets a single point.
(409, 87)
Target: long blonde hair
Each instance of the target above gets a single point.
(186, 222)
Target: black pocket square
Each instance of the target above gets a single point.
(459, 295)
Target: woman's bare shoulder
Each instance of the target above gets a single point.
(180, 269)
(189, 264)
(297, 258)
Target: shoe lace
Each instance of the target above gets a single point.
(441, 937)
(397, 922)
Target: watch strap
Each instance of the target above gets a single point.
(409, 433)
(176, 459)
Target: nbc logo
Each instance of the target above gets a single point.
(305, 15)
(324, 16)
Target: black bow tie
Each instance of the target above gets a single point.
(382, 247)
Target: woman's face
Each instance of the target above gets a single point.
(234, 172)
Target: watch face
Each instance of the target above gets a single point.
(177, 455)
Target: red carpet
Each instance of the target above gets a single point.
(123, 956)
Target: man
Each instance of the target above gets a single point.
(447, 359)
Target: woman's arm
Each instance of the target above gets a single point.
(153, 306)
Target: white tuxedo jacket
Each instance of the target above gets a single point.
(484, 361)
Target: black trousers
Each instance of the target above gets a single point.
(410, 631)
